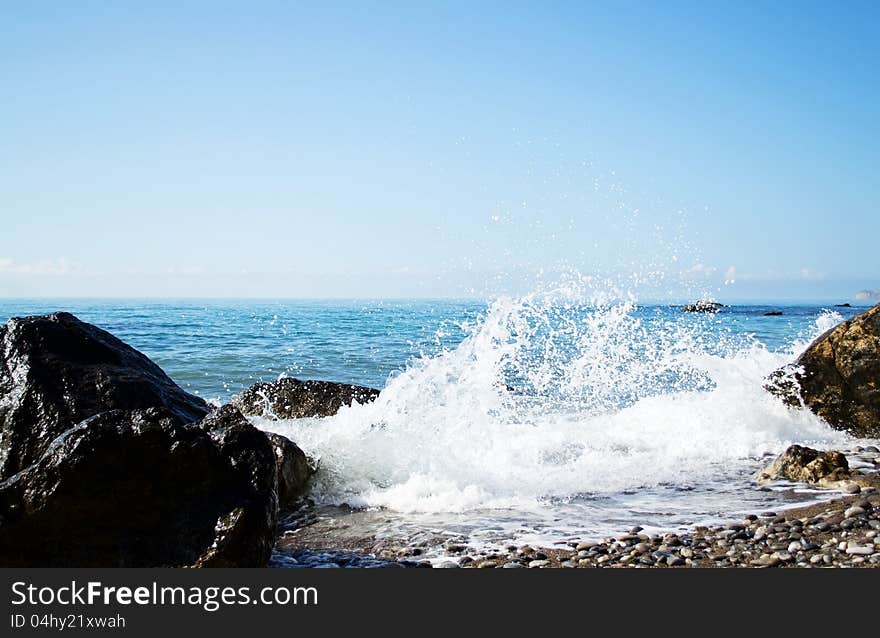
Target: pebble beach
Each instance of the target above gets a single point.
(841, 532)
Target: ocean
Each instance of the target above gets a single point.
(534, 419)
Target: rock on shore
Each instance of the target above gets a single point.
(801, 464)
(136, 489)
(294, 399)
(56, 371)
(105, 461)
(293, 469)
(838, 376)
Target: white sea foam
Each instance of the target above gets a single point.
(604, 400)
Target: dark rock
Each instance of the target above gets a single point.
(294, 469)
(137, 489)
(773, 313)
(56, 371)
(837, 376)
(703, 306)
(247, 534)
(805, 465)
(843, 305)
(294, 399)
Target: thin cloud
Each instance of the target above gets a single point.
(804, 274)
(730, 275)
(702, 269)
(868, 295)
(60, 266)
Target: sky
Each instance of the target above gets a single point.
(455, 149)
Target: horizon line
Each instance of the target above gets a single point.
(648, 300)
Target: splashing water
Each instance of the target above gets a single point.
(570, 407)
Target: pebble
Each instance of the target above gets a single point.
(538, 563)
(852, 488)
(785, 557)
(584, 546)
(859, 550)
(765, 560)
(448, 564)
(513, 565)
(854, 511)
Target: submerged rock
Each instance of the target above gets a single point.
(293, 469)
(56, 371)
(137, 489)
(294, 399)
(703, 306)
(838, 376)
(801, 464)
(773, 313)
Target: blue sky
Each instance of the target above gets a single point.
(384, 149)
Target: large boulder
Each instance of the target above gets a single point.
(290, 398)
(293, 469)
(56, 371)
(801, 464)
(137, 489)
(838, 376)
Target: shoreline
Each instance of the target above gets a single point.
(843, 531)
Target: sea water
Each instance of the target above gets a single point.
(555, 415)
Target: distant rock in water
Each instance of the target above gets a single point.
(801, 464)
(56, 371)
(838, 376)
(703, 306)
(773, 313)
(293, 469)
(137, 489)
(843, 305)
(294, 399)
